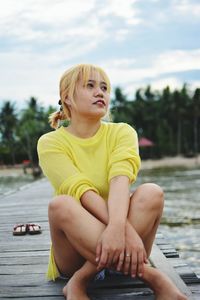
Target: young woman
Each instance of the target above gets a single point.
(95, 222)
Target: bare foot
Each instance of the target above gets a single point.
(163, 287)
(76, 289)
(168, 291)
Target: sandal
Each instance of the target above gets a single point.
(33, 228)
(19, 229)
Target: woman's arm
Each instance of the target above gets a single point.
(116, 211)
(96, 205)
(110, 248)
(61, 169)
(118, 200)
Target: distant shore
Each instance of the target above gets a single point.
(177, 161)
(13, 171)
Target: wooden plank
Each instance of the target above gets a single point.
(29, 253)
(184, 271)
(37, 298)
(56, 290)
(118, 294)
(23, 260)
(159, 261)
(22, 280)
(24, 269)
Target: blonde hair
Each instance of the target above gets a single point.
(68, 83)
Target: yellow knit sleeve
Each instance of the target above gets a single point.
(61, 171)
(125, 159)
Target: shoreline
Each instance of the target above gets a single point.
(166, 162)
(171, 162)
(13, 171)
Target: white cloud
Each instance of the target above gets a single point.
(156, 85)
(34, 19)
(41, 38)
(187, 7)
(160, 84)
(125, 10)
(46, 20)
(125, 63)
(166, 63)
(121, 34)
(48, 34)
(45, 11)
(28, 74)
(75, 26)
(25, 74)
(178, 61)
(22, 78)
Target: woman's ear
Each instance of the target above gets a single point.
(68, 101)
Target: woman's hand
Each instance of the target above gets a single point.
(111, 246)
(135, 254)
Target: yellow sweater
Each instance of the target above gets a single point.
(74, 165)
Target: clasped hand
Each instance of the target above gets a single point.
(121, 249)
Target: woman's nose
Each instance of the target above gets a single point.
(98, 92)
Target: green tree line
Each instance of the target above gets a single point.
(171, 119)
(20, 131)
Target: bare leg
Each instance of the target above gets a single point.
(74, 233)
(163, 287)
(76, 287)
(147, 204)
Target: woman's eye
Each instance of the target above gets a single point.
(90, 85)
(104, 88)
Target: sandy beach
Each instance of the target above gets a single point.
(177, 161)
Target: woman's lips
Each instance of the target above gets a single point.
(101, 102)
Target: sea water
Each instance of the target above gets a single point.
(180, 223)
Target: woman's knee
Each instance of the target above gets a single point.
(60, 207)
(151, 196)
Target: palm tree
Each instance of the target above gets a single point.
(180, 102)
(119, 109)
(166, 121)
(196, 115)
(8, 123)
(32, 124)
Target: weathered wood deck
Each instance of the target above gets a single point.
(23, 259)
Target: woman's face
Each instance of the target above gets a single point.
(91, 99)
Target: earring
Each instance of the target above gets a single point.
(60, 103)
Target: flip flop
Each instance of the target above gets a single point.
(33, 228)
(19, 229)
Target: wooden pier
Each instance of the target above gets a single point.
(23, 259)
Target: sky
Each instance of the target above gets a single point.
(136, 42)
